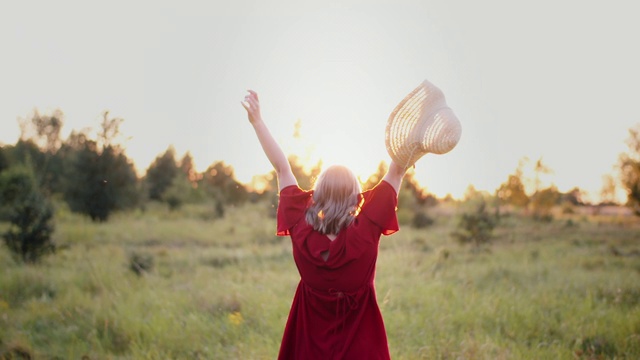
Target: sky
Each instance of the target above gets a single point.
(551, 80)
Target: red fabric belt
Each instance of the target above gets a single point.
(345, 300)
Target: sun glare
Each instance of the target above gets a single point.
(327, 147)
(260, 183)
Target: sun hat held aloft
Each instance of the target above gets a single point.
(421, 123)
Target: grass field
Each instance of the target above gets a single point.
(221, 289)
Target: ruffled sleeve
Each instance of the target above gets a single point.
(380, 204)
(292, 204)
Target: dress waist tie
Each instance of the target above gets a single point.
(345, 301)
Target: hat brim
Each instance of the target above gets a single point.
(421, 123)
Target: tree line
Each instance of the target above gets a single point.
(94, 177)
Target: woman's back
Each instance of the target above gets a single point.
(335, 312)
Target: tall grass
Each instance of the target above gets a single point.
(221, 289)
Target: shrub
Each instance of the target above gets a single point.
(140, 263)
(542, 202)
(422, 220)
(17, 352)
(596, 347)
(98, 180)
(219, 209)
(29, 213)
(178, 192)
(475, 227)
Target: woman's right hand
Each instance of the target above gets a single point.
(252, 105)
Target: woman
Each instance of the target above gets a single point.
(335, 230)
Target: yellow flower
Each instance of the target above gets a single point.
(4, 305)
(235, 318)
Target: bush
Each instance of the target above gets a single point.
(17, 352)
(475, 227)
(140, 263)
(542, 202)
(596, 347)
(99, 181)
(422, 220)
(29, 213)
(178, 192)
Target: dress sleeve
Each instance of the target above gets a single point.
(292, 204)
(380, 204)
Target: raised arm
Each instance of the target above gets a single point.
(269, 145)
(394, 176)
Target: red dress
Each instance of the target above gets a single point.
(335, 313)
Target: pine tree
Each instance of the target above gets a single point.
(29, 214)
(161, 173)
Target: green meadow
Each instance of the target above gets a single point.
(157, 284)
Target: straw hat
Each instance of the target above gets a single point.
(421, 123)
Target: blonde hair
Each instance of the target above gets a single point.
(335, 200)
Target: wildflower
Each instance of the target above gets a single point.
(235, 318)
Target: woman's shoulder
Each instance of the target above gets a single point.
(293, 190)
(379, 207)
(292, 205)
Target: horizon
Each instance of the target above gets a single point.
(525, 165)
